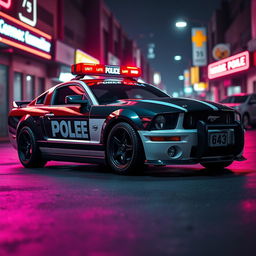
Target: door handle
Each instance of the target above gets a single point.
(49, 114)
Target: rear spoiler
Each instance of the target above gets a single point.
(19, 104)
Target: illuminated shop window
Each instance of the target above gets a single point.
(30, 87)
(17, 89)
(3, 101)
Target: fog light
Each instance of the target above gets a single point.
(172, 151)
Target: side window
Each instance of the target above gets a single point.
(41, 99)
(61, 93)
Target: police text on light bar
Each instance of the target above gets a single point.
(105, 70)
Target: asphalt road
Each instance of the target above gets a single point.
(75, 209)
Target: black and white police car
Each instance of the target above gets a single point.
(123, 123)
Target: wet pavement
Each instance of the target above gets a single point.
(79, 209)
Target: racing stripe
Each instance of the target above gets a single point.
(165, 104)
(205, 103)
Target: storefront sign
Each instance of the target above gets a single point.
(81, 56)
(5, 4)
(186, 78)
(199, 51)
(194, 75)
(221, 51)
(200, 87)
(28, 12)
(231, 65)
(17, 34)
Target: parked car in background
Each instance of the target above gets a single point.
(245, 104)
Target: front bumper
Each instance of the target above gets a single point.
(193, 147)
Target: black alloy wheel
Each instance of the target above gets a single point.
(124, 150)
(28, 151)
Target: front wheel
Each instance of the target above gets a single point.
(124, 150)
(28, 151)
(217, 166)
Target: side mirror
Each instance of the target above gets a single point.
(78, 99)
(75, 99)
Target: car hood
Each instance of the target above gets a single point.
(176, 104)
(232, 105)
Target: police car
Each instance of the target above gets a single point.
(116, 120)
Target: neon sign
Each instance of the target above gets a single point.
(230, 65)
(5, 3)
(17, 34)
(29, 7)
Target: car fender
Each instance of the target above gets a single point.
(28, 120)
(119, 115)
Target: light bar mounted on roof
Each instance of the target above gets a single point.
(82, 69)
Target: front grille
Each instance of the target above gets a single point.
(212, 118)
(204, 150)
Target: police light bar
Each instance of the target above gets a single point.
(104, 70)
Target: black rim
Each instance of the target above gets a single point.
(121, 148)
(25, 146)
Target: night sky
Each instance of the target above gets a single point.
(142, 18)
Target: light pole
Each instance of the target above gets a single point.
(177, 57)
(199, 50)
(181, 24)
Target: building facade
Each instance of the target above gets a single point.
(40, 39)
(234, 26)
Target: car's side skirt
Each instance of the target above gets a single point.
(73, 155)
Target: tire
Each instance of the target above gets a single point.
(124, 151)
(246, 121)
(28, 151)
(216, 166)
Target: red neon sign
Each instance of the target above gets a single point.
(19, 35)
(5, 3)
(230, 65)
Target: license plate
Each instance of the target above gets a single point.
(219, 139)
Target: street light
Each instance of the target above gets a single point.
(177, 58)
(181, 77)
(181, 24)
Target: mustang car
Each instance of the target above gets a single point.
(114, 119)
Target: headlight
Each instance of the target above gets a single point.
(237, 117)
(164, 122)
(160, 122)
(236, 107)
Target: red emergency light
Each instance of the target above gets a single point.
(104, 70)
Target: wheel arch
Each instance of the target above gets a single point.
(121, 115)
(29, 121)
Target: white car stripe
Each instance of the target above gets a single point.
(165, 103)
(205, 103)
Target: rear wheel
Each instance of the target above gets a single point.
(217, 166)
(28, 151)
(124, 150)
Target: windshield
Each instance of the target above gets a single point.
(235, 99)
(110, 93)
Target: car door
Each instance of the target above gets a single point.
(67, 123)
